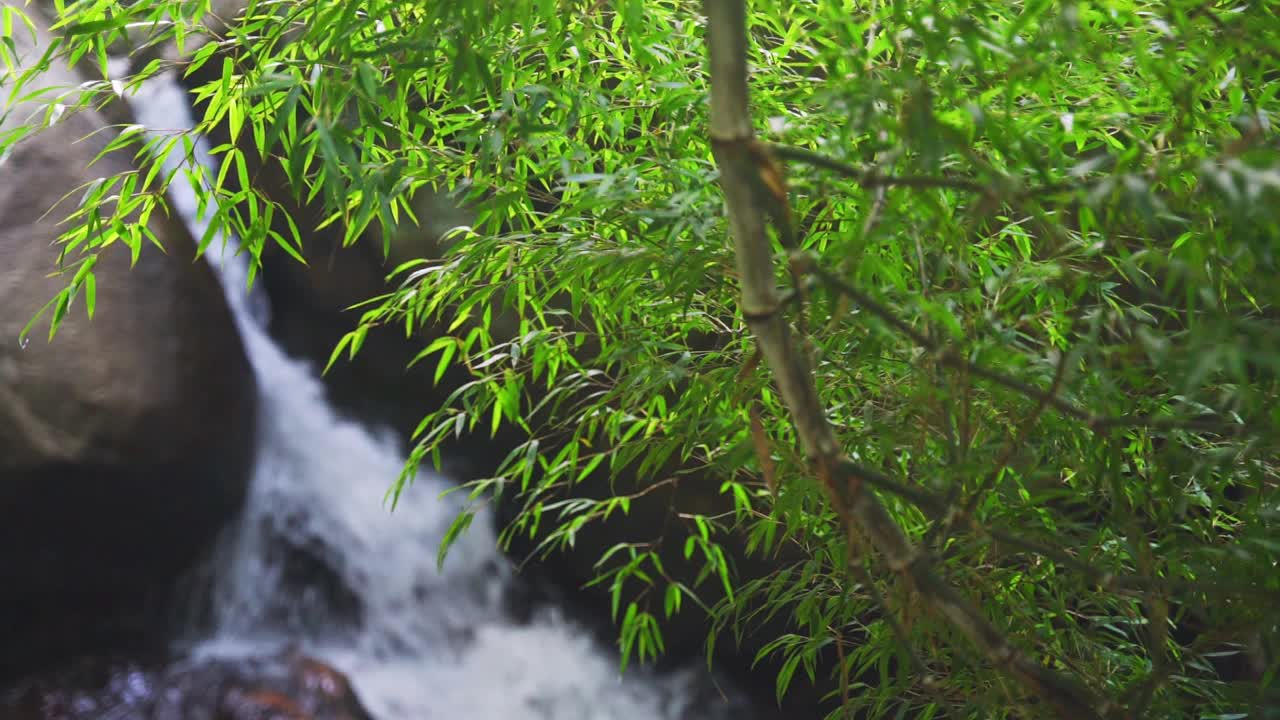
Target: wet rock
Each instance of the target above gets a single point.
(85, 688)
(287, 686)
(125, 443)
(311, 577)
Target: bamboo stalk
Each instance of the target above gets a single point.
(737, 156)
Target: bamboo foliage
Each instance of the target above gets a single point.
(746, 197)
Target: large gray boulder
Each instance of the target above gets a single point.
(126, 442)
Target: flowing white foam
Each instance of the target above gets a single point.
(428, 643)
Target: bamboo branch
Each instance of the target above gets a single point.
(871, 179)
(950, 358)
(860, 511)
(941, 510)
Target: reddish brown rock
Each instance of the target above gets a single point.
(287, 686)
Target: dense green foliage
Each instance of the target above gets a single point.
(1039, 292)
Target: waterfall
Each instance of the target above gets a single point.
(424, 643)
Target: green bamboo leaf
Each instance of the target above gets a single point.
(456, 528)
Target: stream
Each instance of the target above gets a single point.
(320, 562)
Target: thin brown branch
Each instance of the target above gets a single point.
(925, 677)
(874, 214)
(938, 532)
(872, 179)
(938, 508)
(949, 357)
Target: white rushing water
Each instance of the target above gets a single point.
(428, 643)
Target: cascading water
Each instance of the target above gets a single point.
(423, 643)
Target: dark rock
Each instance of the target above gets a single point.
(126, 442)
(290, 685)
(287, 686)
(91, 687)
(315, 593)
